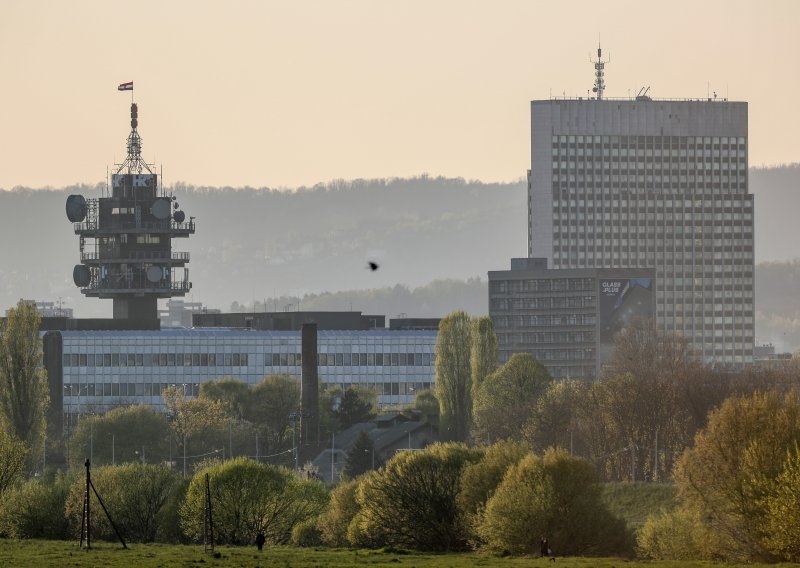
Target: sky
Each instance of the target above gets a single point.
(286, 94)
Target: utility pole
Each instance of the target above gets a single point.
(655, 473)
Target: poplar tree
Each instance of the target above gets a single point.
(484, 351)
(24, 394)
(454, 376)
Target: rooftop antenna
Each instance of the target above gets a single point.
(599, 73)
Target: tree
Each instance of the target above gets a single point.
(120, 435)
(557, 496)
(411, 501)
(134, 494)
(649, 353)
(248, 498)
(24, 394)
(507, 398)
(35, 509)
(357, 404)
(454, 376)
(480, 480)
(232, 393)
(360, 457)
(343, 507)
(427, 403)
(483, 359)
(729, 476)
(783, 511)
(271, 404)
(12, 461)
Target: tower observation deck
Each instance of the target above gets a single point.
(126, 238)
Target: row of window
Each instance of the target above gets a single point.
(193, 389)
(673, 200)
(543, 285)
(366, 359)
(650, 141)
(127, 389)
(530, 338)
(550, 320)
(155, 359)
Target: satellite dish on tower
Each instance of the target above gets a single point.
(179, 216)
(161, 208)
(154, 274)
(76, 208)
(81, 276)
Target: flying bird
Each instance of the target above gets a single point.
(373, 266)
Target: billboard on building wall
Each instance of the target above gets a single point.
(621, 300)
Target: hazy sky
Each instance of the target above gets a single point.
(293, 93)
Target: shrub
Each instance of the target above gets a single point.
(306, 533)
(248, 498)
(134, 495)
(411, 502)
(672, 535)
(555, 496)
(35, 509)
(333, 524)
(783, 511)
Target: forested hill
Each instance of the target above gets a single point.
(253, 244)
(430, 236)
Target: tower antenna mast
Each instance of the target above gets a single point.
(599, 73)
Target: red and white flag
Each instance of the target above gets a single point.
(125, 86)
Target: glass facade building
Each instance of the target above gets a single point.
(104, 369)
(652, 184)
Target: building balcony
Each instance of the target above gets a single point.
(171, 228)
(136, 286)
(160, 257)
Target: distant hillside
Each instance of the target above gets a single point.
(434, 239)
(253, 244)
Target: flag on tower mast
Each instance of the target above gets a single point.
(125, 86)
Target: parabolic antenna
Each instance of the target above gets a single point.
(179, 216)
(161, 208)
(154, 274)
(81, 275)
(76, 208)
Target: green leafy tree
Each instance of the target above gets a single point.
(335, 521)
(357, 404)
(480, 480)
(121, 435)
(783, 511)
(12, 461)
(483, 358)
(35, 509)
(270, 407)
(232, 393)
(360, 456)
(428, 405)
(134, 495)
(677, 534)
(454, 376)
(248, 498)
(24, 394)
(411, 501)
(507, 398)
(729, 476)
(556, 496)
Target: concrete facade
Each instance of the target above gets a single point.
(566, 319)
(652, 184)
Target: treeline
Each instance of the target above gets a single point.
(432, 300)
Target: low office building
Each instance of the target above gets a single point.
(566, 318)
(93, 371)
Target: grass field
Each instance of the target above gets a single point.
(33, 553)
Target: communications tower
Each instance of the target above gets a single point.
(126, 239)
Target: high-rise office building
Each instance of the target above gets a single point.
(649, 183)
